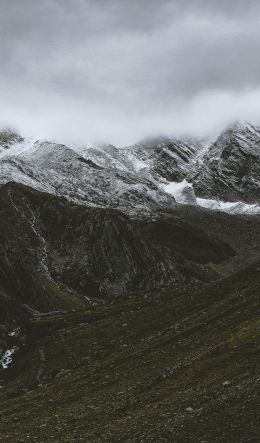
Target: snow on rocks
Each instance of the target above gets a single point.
(7, 358)
(231, 207)
(140, 179)
(183, 192)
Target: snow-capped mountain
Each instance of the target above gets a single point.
(60, 170)
(153, 174)
(166, 158)
(231, 168)
(9, 139)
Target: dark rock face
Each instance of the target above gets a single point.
(19, 285)
(231, 168)
(96, 252)
(103, 253)
(19, 280)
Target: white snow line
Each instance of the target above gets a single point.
(36, 231)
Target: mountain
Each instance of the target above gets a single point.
(60, 170)
(145, 177)
(129, 290)
(166, 158)
(231, 167)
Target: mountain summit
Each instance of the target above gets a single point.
(231, 167)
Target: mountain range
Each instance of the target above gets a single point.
(145, 177)
(129, 289)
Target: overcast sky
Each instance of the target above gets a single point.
(118, 70)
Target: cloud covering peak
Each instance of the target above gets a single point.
(114, 70)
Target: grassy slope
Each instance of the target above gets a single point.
(132, 370)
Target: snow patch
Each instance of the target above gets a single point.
(19, 148)
(14, 333)
(7, 358)
(183, 192)
(230, 207)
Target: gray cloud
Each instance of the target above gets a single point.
(118, 70)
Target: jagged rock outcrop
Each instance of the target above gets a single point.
(166, 158)
(231, 168)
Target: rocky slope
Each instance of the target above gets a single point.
(62, 171)
(167, 159)
(231, 167)
(145, 177)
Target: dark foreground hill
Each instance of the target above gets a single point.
(165, 367)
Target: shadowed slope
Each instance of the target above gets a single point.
(168, 367)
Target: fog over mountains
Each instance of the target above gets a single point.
(110, 70)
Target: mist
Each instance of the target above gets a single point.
(117, 71)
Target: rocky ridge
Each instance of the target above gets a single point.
(231, 168)
(145, 177)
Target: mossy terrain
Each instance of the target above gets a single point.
(166, 367)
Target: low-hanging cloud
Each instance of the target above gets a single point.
(113, 70)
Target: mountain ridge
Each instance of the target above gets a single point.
(136, 179)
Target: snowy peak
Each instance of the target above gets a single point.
(150, 175)
(241, 135)
(244, 126)
(100, 177)
(230, 169)
(8, 138)
(167, 158)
